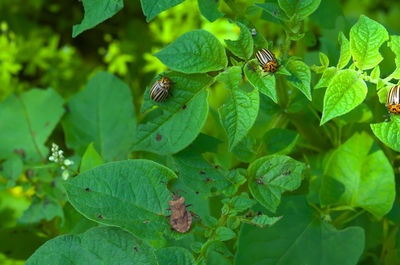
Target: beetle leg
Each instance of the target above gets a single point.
(168, 209)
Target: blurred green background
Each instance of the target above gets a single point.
(37, 51)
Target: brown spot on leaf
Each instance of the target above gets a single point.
(87, 189)
(20, 152)
(184, 106)
(259, 213)
(197, 192)
(100, 216)
(47, 124)
(216, 166)
(202, 172)
(158, 137)
(286, 173)
(135, 249)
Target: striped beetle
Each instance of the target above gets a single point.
(267, 61)
(393, 100)
(159, 91)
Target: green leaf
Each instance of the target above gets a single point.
(243, 47)
(280, 141)
(239, 114)
(273, 9)
(90, 159)
(241, 202)
(231, 77)
(178, 120)
(151, 8)
(246, 149)
(366, 37)
(13, 168)
(224, 233)
(209, 9)
(109, 194)
(264, 220)
(345, 53)
(300, 76)
(324, 59)
(375, 74)
(102, 245)
(74, 222)
(196, 51)
(345, 92)
(26, 122)
(96, 11)
(41, 209)
(272, 175)
(174, 255)
(198, 174)
(358, 174)
(326, 77)
(101, 113)
(302, 8)
(394, 45)
(264, 84)
(388, 132)
(300, 237)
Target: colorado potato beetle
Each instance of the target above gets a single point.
(393, 100)
(267, 60)
(159, 91)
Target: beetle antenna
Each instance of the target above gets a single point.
(168, 187)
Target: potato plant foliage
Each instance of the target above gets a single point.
(294, 167)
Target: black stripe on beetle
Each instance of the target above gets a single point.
(267, 60)
(160, 89)
(393, 100)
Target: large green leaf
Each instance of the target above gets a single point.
(96, 11)
(345, 92)
(110, 194)
(394, 45)
(209, 9)
(358, 174)
(231, 77)
(196, 51)
(151, 8)
(174, 255)
(198, 174)
(270, 176)
(300, 76)
(26, 122)
(302, 8)
(103, 245)
(273, 10)
(264, 84)
(300, 237)
(243, 47)
(345, 53)
(366, 37)
(177, 121)
(388, 132)
(239, 114)
(101, 113)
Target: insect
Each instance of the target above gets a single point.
(267, 61)
(160, 89)
(393, 100)
(180, 218)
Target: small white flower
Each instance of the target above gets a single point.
(51, 158)
(68, 162)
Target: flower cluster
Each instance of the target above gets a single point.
(57, 156)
